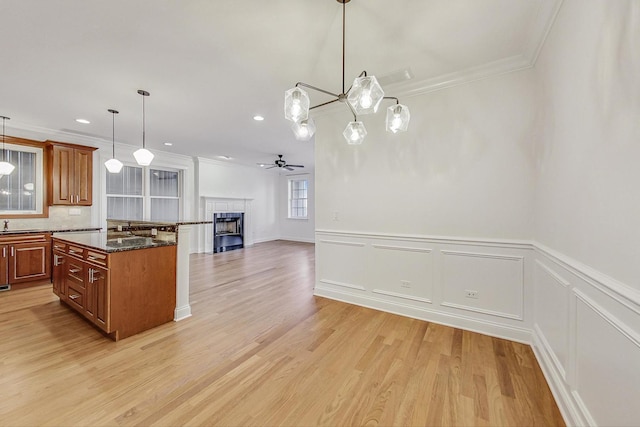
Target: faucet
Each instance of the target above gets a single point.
(6, 225)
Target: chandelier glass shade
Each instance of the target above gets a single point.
(5, 167)
(143, 156)
(363, 97)
(397, 118)
(304, 129)
(113, 165)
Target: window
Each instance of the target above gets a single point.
(129, 198)
(298, 198)
(21, 192)
(125, 194)
(165, 200)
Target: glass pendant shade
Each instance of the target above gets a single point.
(355, 133)
(397, 118)
(296, 105)
(6, 168)
(113, 165)
(365, 95)
(143, 156)
(304, 129)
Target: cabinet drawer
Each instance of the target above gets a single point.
(57, 245)
(97, 257)
(76, 274)
(75, 296)
(76, 251)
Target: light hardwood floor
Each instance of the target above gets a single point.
(260, 349)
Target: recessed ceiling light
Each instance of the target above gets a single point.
(261, 164)
(83, 121)
(168, 144)
(258, 118)
(225, 157)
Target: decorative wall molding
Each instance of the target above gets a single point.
(551, 282)
(342, 284)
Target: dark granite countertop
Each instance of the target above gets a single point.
(101, 242)
(47, 230)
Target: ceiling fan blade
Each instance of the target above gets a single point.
(271, 167)
(288, 168)
(295, 166)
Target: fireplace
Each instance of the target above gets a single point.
(228, 231)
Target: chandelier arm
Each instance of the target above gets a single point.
(392, 97)
(323, 104)
(317, 89)
(355, 118)
(362, 74)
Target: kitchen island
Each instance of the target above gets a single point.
(122, 285)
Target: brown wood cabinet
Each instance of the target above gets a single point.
(70, 173)
(25, 258)
(122, 293)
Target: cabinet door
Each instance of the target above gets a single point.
(97, 305)
(59, 274)
(62, 172)
(83, 176)
(4, 264)
(29, 261)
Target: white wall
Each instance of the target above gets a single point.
(587, 287)
(464, 168)
(299, 230)
(217, 179)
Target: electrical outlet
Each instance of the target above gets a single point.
(405, 283)
(471, 294)
(119, 228)
(154, 232)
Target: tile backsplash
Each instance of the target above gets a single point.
(59, 218)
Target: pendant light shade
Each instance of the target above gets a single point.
(355, 133)
(5, 167)
(143, 156)
(365, 95)
(304, 129)
(397, 118)
(296, 105)
(113, 165)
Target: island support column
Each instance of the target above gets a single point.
(183, 309)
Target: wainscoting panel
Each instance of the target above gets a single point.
(607, 366)
(551, 313)
(426, 278)
(496, 281)
(586, 337)
(338, 264)
(403, 272)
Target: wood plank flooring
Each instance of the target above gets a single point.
(260, 349)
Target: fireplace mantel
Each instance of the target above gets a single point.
(220, 204)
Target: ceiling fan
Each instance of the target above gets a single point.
(281, 164)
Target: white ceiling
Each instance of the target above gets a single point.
(211, 65)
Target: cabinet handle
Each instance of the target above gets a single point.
(4, 252)
(55, 260)
(74, 270)
(91, 275)
(74, 297)
(12, 251)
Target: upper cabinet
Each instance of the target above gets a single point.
(70, 176)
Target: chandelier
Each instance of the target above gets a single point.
(363, 97)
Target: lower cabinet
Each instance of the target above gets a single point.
(25, 258)
(122, 293)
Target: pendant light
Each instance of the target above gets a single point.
(5, 167)
(113, 165)
(143, 156)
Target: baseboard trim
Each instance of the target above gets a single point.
(181, 313)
